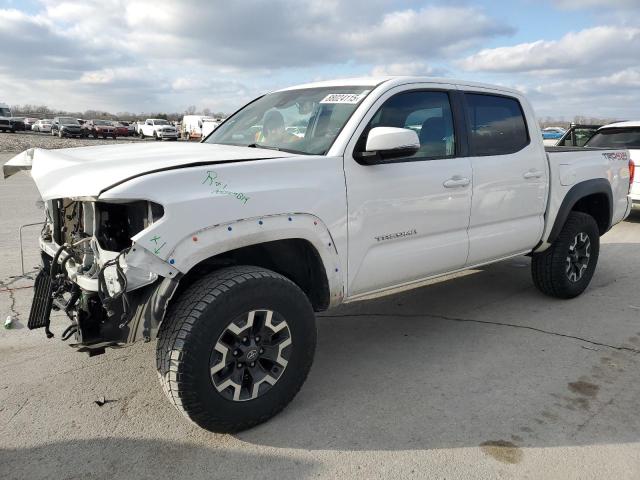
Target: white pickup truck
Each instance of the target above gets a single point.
(224, 249)
(158, 128)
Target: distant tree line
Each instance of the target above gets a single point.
(579, 119)
(43, 111)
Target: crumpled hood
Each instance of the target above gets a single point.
(88, 171)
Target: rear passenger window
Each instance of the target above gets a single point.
(496, 125)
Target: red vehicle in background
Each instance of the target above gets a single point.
(120, 129)
(99, 128)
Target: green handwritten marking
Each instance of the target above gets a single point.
(209, 178)
(157, 250)
(222, 188)
(155, 239)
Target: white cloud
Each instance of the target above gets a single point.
(595, 48)
(410, 68)
(175, 53)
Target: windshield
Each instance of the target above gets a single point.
(616, 138)
(101, 122)
(300, 121)
(68, 121)
(160, 122)
(5, 112)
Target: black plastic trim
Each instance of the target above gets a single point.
(573, 196)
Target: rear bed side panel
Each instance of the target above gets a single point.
(577, 169)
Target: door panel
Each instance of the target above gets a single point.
(404, 224)
(509, 179)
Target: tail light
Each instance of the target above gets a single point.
(632, 172)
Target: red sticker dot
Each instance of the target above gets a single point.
(195, 239)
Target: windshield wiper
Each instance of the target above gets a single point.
(259, 145)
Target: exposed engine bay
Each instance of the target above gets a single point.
(85, 273)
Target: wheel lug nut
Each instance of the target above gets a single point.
(257, 339)
(235, 353)
(253, 364)
(244, 339)
(262, 350)
(239, 365)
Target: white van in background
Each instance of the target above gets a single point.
(198, 126)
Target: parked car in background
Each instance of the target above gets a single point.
(66, 127)
(29, 122)
(18, 124)
(7, 122)
(577, 135)
(550, 135)
(224, 249)
(131, 129)
(80, 121)
(159, 129)
(622, 135)
(120, 129)
(99, 128)
(43, 126)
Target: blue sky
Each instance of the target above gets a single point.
(571, 57)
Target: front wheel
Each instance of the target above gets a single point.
(236, 347)
(565, 269)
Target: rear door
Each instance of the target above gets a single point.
(510, 176)
(408, 218)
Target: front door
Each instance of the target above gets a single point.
(408, 218)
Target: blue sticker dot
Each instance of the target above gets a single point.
(290, 219)
(329, 243)
(229, 228)
(260, 222)
(336, 269)
(172, 261)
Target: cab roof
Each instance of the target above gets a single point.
(633, 123)
(392, 81)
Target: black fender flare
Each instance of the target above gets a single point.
(574, 195)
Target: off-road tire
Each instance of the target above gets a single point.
(198, 317)
(549, 268)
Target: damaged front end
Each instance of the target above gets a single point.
(113, 291)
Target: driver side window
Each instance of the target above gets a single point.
(426, 113)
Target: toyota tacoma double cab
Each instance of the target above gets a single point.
(224, 249)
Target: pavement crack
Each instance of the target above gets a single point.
(488, 322)
(16, 413)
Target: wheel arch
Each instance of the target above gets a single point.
(593, 197)
(298, 246)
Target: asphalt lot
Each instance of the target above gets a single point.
(479, 376)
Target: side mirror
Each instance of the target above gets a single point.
(389, 142)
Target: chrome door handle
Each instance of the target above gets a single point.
(532, 174)
(456, 181)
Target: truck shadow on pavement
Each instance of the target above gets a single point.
(480, 360)
(142, 458)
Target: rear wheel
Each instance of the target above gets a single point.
(236, 347)
(565, 269)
